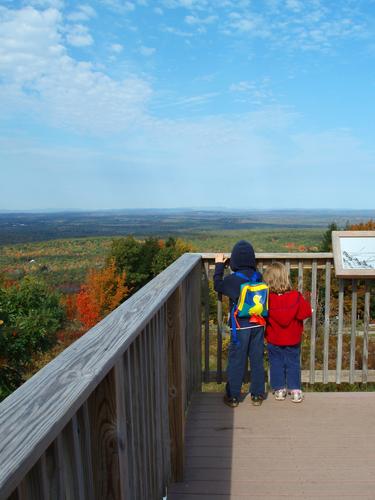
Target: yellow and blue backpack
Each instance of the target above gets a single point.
(252, 303)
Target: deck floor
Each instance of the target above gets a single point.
(322, 448)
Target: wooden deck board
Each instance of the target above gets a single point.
(321, 449)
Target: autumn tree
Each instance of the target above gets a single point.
(103, 291)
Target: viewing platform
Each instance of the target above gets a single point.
(120, 414)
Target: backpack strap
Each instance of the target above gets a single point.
(234, 324)
(243, 276)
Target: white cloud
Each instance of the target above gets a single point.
(35, 69)
(83, 13)
(78, 36)
(117, 48)
(194, 20)
(146, 51)
(56, 4)
(119, 5)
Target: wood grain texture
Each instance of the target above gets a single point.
(314, 277)
(47, 401)
(353, 331)
(327, 303)
(176, 320)
(123, 448)
(340, 329)
(366, 321)
(104, 439)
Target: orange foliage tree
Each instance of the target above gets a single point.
(103, 291)
(362, 226)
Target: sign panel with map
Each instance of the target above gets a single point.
(354, 253)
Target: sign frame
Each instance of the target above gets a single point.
(338, 247)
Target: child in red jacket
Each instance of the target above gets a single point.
(287, 309)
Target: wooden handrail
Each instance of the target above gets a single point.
(313, 272)
(47, 409)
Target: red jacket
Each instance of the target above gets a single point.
(286, 313)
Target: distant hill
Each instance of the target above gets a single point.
(20, 227)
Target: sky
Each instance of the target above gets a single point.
(187, 103)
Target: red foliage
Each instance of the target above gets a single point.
(103, 291)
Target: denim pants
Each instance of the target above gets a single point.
(250, 344)
(285, 367)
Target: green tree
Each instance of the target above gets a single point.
(326, 244)
(30, 316)
(168, 253)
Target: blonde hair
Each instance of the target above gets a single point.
(277, 278)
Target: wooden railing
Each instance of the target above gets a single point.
(336, 341)
(105, 419)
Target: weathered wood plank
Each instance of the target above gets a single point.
(340, 329)
(164, 397)
(66, 382)
(130, 419)
(176, 380)
(123, 449)
(366, 321)
(78, 465)
(219, 345)
(83, 420)
(142, 400)
(264, 256)
(327, 303)
(314, 274)
(300, 276)
(104, 439)
(353, 331)
(157, 356)
(206, 321)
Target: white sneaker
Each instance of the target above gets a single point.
(280, 394)
(296, 396)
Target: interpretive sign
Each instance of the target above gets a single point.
(354, 253)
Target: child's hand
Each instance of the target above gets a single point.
(220, 258)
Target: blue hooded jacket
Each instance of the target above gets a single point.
(242, 260)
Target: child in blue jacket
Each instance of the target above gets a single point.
(249, 342)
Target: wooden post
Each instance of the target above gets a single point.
(353, 333)
(340, 329)
(366, 321)
(313, 321)
(219, 360)
(206, 323)
(326, 322)
(176, 380)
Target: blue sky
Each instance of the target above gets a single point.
(183, 103)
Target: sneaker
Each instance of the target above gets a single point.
(231, 401)
(296, 396)
(280, 394)
(257, 400)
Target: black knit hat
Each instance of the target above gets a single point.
(243, 256)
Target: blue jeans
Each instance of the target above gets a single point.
(250, 344)
(285, 369)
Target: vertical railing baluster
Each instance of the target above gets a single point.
(326, 321)
(206, 323)
(340, 328)
(219, 352)
(366, 321)
(78, 465)
(122, 437)
(287, 265)
(313, 321)
(353, 333)
(164, 397)
(300, 276)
